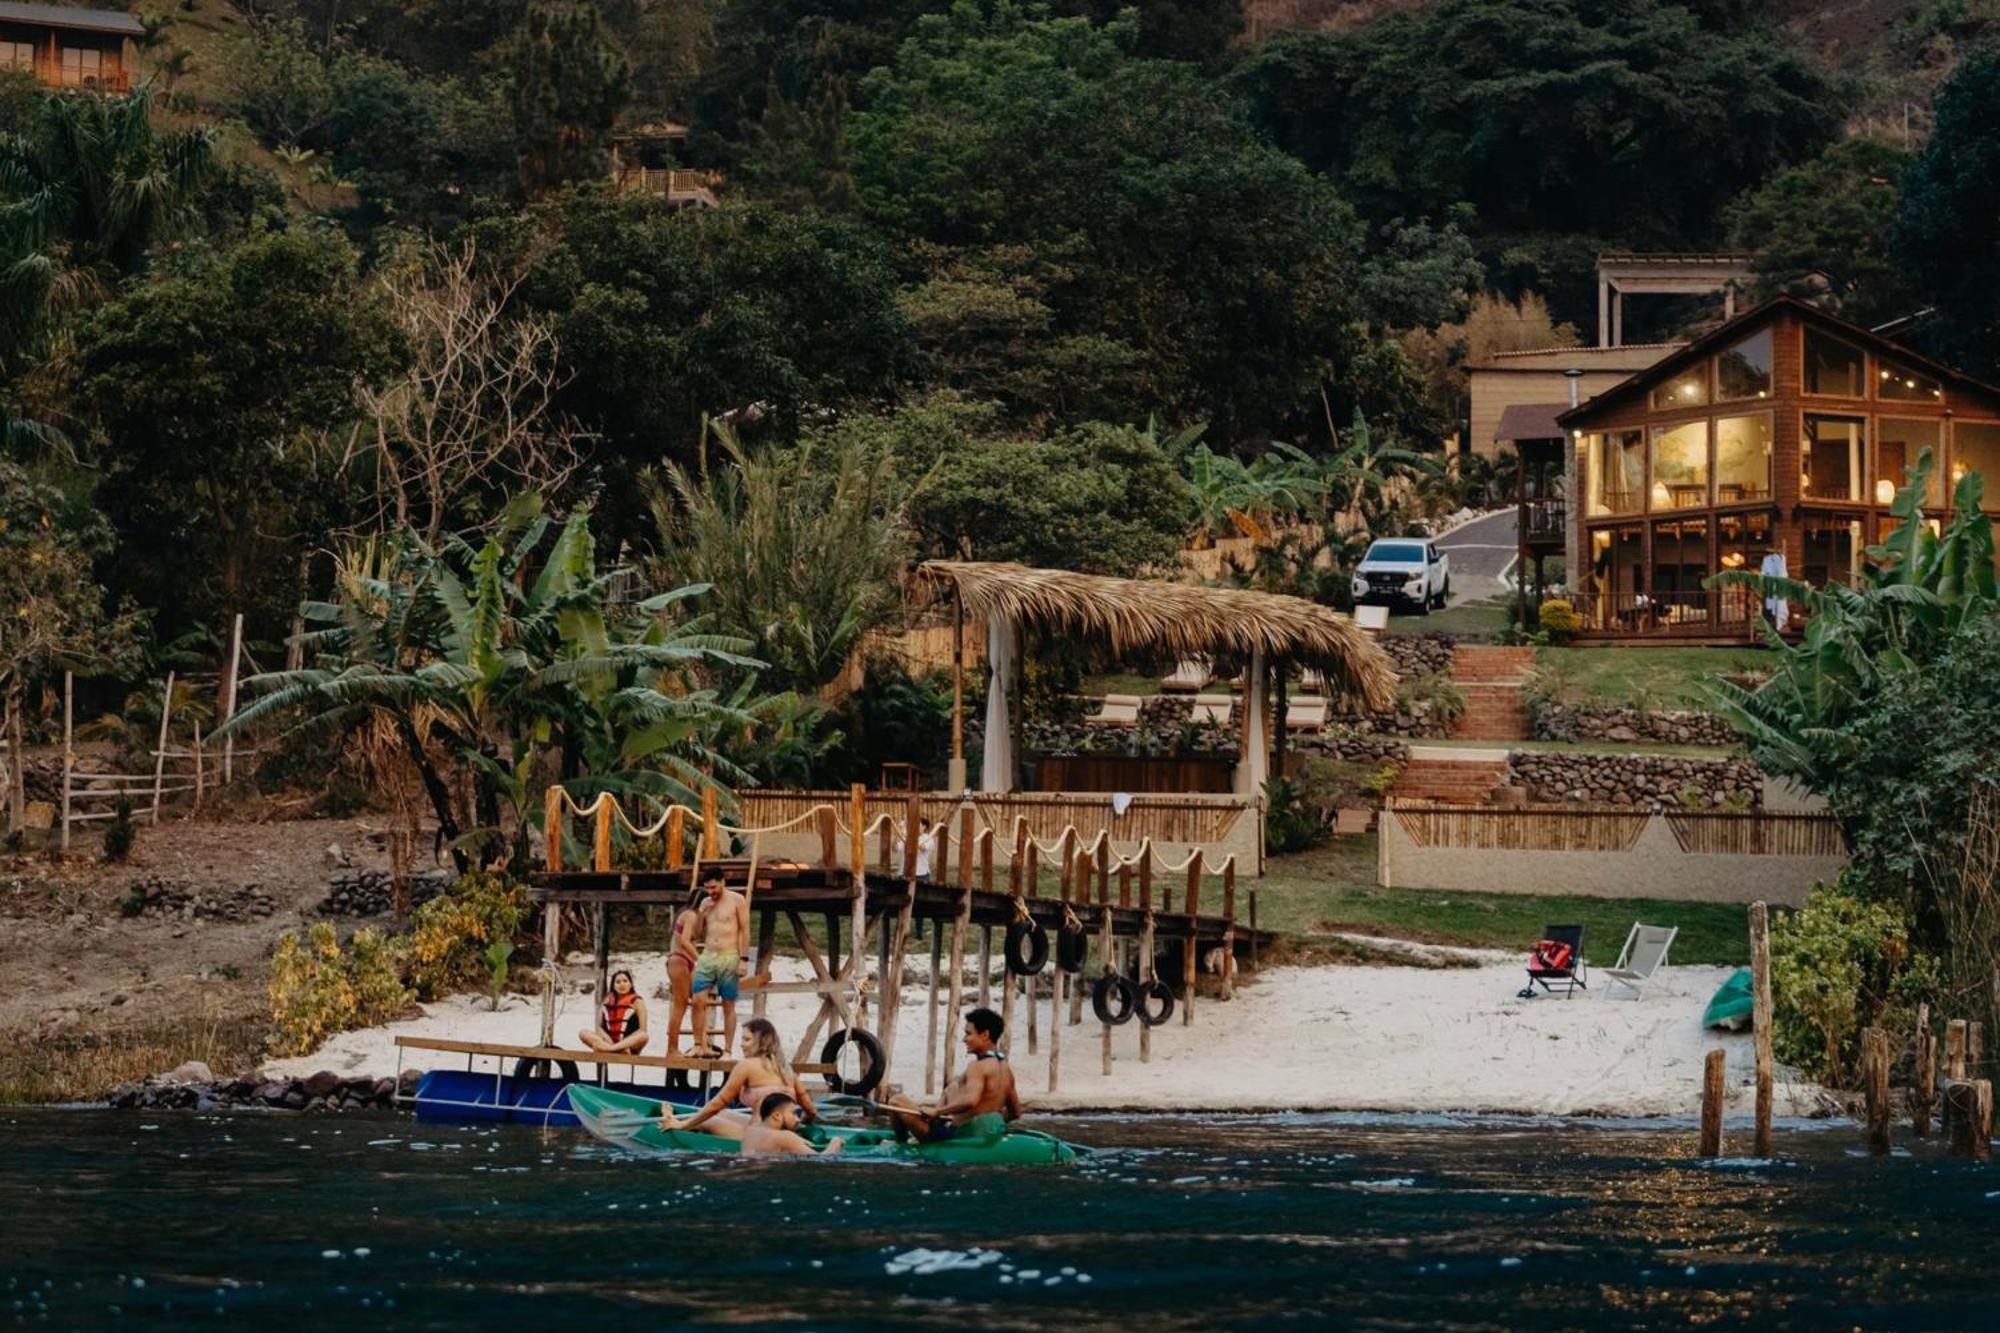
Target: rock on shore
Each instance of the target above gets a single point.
(323, 1091)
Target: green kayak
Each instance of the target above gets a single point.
(634, 1122)
(1732, 1005)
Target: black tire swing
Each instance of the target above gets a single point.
(1027, 950)
(1072, 942)
(529, 1066)
(871, 1061)
(1114, 999)
(1154, 1000)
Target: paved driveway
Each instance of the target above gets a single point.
(1480, 553)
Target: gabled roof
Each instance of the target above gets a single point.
(1715, 340)
(1530, 421)
(77, 20)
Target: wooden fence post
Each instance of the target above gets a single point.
(1923, 1075)
(1760, 988)
(1711, 1104)
(710, 830)
(601, 860)
(229, 697)
(69, 752)
(160, 749)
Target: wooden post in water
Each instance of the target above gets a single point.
(1711, 1104)
(1982, 1118)
(1923, 1075)
(1875, 1069)
(957, 986)
(1975, 1048)
(1760, 991)
(1954, 1049)
(931, 1018)
(1961, 1116)
(1016, 868)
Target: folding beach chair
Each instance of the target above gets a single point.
(1189, 676)
(1645, 953)
(1119, 710)
(1556, 964)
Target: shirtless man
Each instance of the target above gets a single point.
(725, 926)
(776, 1129)
(980, 1102)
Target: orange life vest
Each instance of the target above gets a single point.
(621, 1017)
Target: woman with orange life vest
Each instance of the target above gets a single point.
(621, 1020)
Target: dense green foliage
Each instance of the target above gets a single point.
(1821, 230)
(1946, 231)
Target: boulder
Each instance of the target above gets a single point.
(321, 1084)
(192, 1071)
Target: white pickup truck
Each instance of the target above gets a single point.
(1404, 570)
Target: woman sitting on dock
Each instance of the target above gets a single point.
(621, 1021)
(762, 1071)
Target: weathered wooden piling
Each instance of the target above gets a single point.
(1875, 1075)
(1711, 1104)
(1760, 990)
(1923, 1075)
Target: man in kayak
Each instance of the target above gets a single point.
(776, 1129)
(978, 1104)
(725, 925)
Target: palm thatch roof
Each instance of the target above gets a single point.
(1175, 620)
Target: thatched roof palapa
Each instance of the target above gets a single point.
(1175, 619)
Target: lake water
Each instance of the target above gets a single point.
(364, 1222)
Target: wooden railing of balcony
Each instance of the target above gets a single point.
(1545, 520)
(672, 183)
(107, 80)
(1701, 613)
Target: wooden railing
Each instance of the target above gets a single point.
(1703, 611)
(671, 183)
(1545, 520)
(53, 75)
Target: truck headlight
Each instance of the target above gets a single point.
(1415, 583)
(1360, 584)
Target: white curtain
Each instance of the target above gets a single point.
(996, 767)
(1254, 765)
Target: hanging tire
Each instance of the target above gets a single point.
(1072, 947)
(1114, 999)
(1027, 948)
(529, 1066)
(1155, 1002)
(871, 1062)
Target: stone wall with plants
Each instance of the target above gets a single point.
(1557, 721)
(1653, 782)
(1354, 746)
(1419, 654)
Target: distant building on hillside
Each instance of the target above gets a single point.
(1781, 436)
(68, 48)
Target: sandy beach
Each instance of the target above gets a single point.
(1411, 1039)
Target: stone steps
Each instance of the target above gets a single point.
(1490, 679)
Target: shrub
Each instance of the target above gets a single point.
(450, 934)
(1290, 824)
(1559, 620)
(1840, 964)
(317, 989)
(120, 833)
(1432, 688)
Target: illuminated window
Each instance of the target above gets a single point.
(1616, 472)
(1830, 458)
(1904, 385)
(1744, 371)
(1834, 367)
(1743, 458)
(17, 55)
(1899, 442)
(1687, 389)
(1680, 466)
(1975, 447)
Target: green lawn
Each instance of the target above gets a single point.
(1664, 676)
(1334, 887)
(1482, 619)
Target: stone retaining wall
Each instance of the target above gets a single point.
(1419, 654)
(324, 1091)
(1356, 747)
(1621, 722)
(1641, 780)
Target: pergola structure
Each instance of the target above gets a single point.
(1154, 617)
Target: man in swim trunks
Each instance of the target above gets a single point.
(979, 1103)
(776, 1129)
(725, 925)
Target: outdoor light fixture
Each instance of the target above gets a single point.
(1885, 491)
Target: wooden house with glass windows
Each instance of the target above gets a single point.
(1784, 433)
(68, 48)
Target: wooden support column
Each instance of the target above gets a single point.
(829, 836)
(956, 988)
(767, 942)
(1711, 1105)
(1760, 1022)
(1191, 962)
(710, 826)
(897, 934)
(1923, 1075)
(600, 949)
(1015, 870)
(552, 829)
(1107, 964)
(601, 847)
(966, 849)
(857, 954)
(1146, 974)
(677, 837)
(551, 959)
(1229, 929)
(931, 1016)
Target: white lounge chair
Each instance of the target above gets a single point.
(1119, 710)
(1305, 713)
(1311, 682)
(1189, 676)
(1213, 708)
(1645, 953)
(1374, 619)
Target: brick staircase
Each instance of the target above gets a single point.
(1490, 678)
(1455, 781)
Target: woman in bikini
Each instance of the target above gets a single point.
(681, 957)
(621, 1019)
(762, 1070)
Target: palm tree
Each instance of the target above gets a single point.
(517, 680)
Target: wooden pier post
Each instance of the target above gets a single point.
(710, 845)
(1969, 1116)
(1760, 1010)
(1015, 869)
(1923, 1075)
(1982, 1118)
(1191, 964)
(1058, 990)
(1108, 963)
(551, 959)
(1975, 1048)
(600, 949)
(1875, 1067)
(857, 856)
(1954, 1049)
(1711, 1104)
(602, 844)
(1031, 881)
(1229, 929)
(966, 840)
(677, 837)
(956, 993)
(552, 829)
(829, 836)
(1146, 940)
(931, 1018)
(160, 749)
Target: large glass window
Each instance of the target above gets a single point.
(1830, 458)
(1832, 551)
(1744, 371)
(1680, 563)
(1680, 466)
(1899, 441)
(1616, 471)
(1975, 447)
(1742, 541)
(1689, 388)
(79, 63)
(1834, 367)
(17, 55)
(1617, 573)
(1743, 459)
(1904, 385)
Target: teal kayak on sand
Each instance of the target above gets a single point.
(634, 1122)
(1732, 1005)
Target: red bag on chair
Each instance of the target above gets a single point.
(1551, 956)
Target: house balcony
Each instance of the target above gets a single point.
(1704, 615)
(1545, 522)
(51, 74)
(677, 185)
